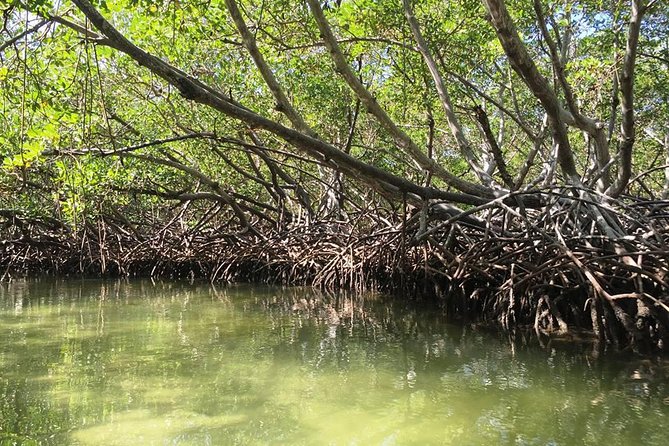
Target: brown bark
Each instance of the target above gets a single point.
(282, 103)
(453, 121)
(592, 127)
(196, 91)
(401, 138)
(627, 100)
(522, 63)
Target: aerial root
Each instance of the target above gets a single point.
(553, 268)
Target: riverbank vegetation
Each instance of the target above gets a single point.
(509, 158)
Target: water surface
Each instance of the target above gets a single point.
(129, 363)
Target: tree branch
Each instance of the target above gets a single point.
(593, 128)
(192, 89)
(401, 138)
(451, 118)
(20, 36)
(627, 99)
(282, 103)
(482, 118)
(523, 64)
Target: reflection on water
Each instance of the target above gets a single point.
(121, 363)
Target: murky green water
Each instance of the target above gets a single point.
(115, 363)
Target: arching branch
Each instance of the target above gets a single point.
(368, 100)
(523, 64)
(195, 90)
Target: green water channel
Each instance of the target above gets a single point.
(142, 363)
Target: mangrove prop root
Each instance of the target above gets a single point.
(553, 268)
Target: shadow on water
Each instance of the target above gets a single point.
(136, 362)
